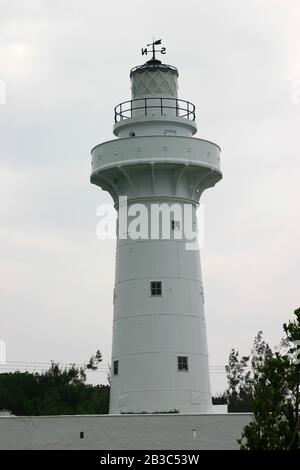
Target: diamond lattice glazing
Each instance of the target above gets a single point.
(154, 82)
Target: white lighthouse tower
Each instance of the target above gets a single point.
(159, 353)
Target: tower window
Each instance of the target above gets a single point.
(116, 367)
(156, 288)
(182, 362)
(175, 224)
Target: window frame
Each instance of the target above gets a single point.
(153, 289)
(183, 363)
(175, 225)
(116, 367)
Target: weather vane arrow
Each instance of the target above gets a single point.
(152, 45)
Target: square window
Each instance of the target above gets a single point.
(116, 367)
(156, 288)
(175, 225)
(182, 362)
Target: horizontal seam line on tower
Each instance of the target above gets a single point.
(160, 314)
(161, 390)
(158, 277)
(120, 245)
(160, 352)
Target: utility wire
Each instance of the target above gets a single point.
(103, 370)
(73, 363)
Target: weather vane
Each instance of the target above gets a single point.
(145, 50)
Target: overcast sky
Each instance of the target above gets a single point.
(65, 65)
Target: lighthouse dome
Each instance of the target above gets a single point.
(154, 78)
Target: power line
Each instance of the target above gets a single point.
(76, 364)
(46, 364)
(27, 366)
(102, 370)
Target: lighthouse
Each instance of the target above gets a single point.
(155, 171)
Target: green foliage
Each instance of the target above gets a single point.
(54, 392)
(272, 406)
(292, 328)
(240, 373)
(220, 399)
(238, 382)
(273, 397)
(94, 361)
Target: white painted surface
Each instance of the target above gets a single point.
(150, 332)
(108, 432)
(219, 409)
(155, 124)
(163, 163)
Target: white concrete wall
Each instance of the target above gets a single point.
(109, 432)
(149, 333)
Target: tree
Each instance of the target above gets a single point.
(94, 361)
(238, 382)
(56, 391)
(273, 397)
(240, 374)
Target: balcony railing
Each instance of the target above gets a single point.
(180, 108)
